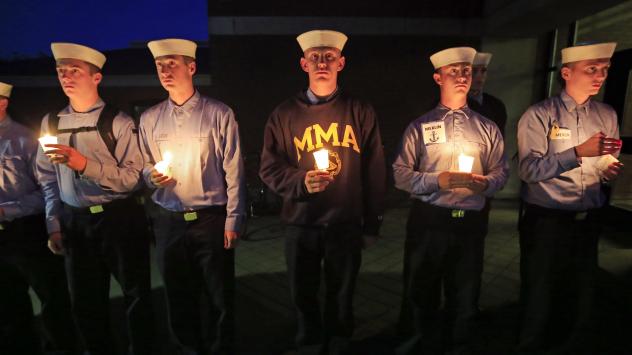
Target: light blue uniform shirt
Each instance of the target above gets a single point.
(207, 166)
(104, 179)
(20, 195)
(554, 177)
(420, 161)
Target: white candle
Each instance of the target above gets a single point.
(604, 162)
(164, 166)
(47, 139)
(322, 159)
(465, 163)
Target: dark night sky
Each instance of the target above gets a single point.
(28, 26)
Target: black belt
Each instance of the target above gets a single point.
(431, 211)
(558, 213)
(100, 208)
(190, 216)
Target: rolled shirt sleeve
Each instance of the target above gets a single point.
(235, 175)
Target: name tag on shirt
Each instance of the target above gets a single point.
(560, 133)
(433, 132)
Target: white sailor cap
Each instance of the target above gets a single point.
(453, 55)
(5, 89)
(482, 59)
(77, 51)
(587, 52)
(322, 38)
(172, 46)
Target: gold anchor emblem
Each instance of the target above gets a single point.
(434, 137)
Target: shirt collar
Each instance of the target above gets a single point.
(570, 104)
(188, 106)
(465, 110)
(313, 99)
(71, 111)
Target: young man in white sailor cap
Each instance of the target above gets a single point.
(450, 160)
(328, 206)
(566, 147)
(87, 180)
(201, 196)
(478, 100)
(24, 256)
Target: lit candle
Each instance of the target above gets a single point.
(322, 159)
(164, 166)
(47, 139)
(465, 163)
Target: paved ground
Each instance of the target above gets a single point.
(265, 322)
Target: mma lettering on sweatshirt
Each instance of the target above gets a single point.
(315, 136)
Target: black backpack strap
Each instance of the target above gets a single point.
(105, 127)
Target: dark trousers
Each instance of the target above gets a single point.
(558, 270)
(193, 262)
(339, 249)
(26, 261)
(441, 252)
(97, 246)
